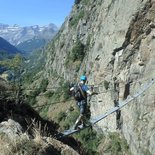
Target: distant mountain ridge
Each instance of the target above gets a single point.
(28, 38)
(16, 34)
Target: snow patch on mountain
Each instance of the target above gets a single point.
(16, 34)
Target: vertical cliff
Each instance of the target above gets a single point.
(114, 40)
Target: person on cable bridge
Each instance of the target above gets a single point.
(80, 93)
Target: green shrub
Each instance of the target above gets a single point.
(14, 63)
(88, 41)
(77, 1)
(117, 145)
(61, 116)
(78, 52)
(75, 19)
(147, 152)
(43, 85)
(67, 119)
(90, 140)
(73, 116)
(66, 126)
(85, 2)
(31, 99)
(44, 111)
(76, 55)
(106, 84)
(49, 94)
(65, 89)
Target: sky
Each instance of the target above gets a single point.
(34, 12)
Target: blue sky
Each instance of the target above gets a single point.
(34, 12)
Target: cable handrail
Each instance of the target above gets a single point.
(111, 111)
(103, 92)
(53, 88)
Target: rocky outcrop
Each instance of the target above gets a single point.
(23, 131)
(14, 140)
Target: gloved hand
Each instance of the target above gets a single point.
(71, 85)
(92, 88)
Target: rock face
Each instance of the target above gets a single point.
(119, 43)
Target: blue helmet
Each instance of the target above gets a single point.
(83, 78)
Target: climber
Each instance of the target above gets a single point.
(80, 93)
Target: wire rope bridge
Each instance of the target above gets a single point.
(101, 117)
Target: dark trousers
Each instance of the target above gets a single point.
(82, 106)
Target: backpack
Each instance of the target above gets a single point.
(78, 93)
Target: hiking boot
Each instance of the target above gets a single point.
(78, 122)
(76, 127)
(87, 123)
(83, 125)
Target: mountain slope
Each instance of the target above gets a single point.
(6, 49)
(31, 45)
